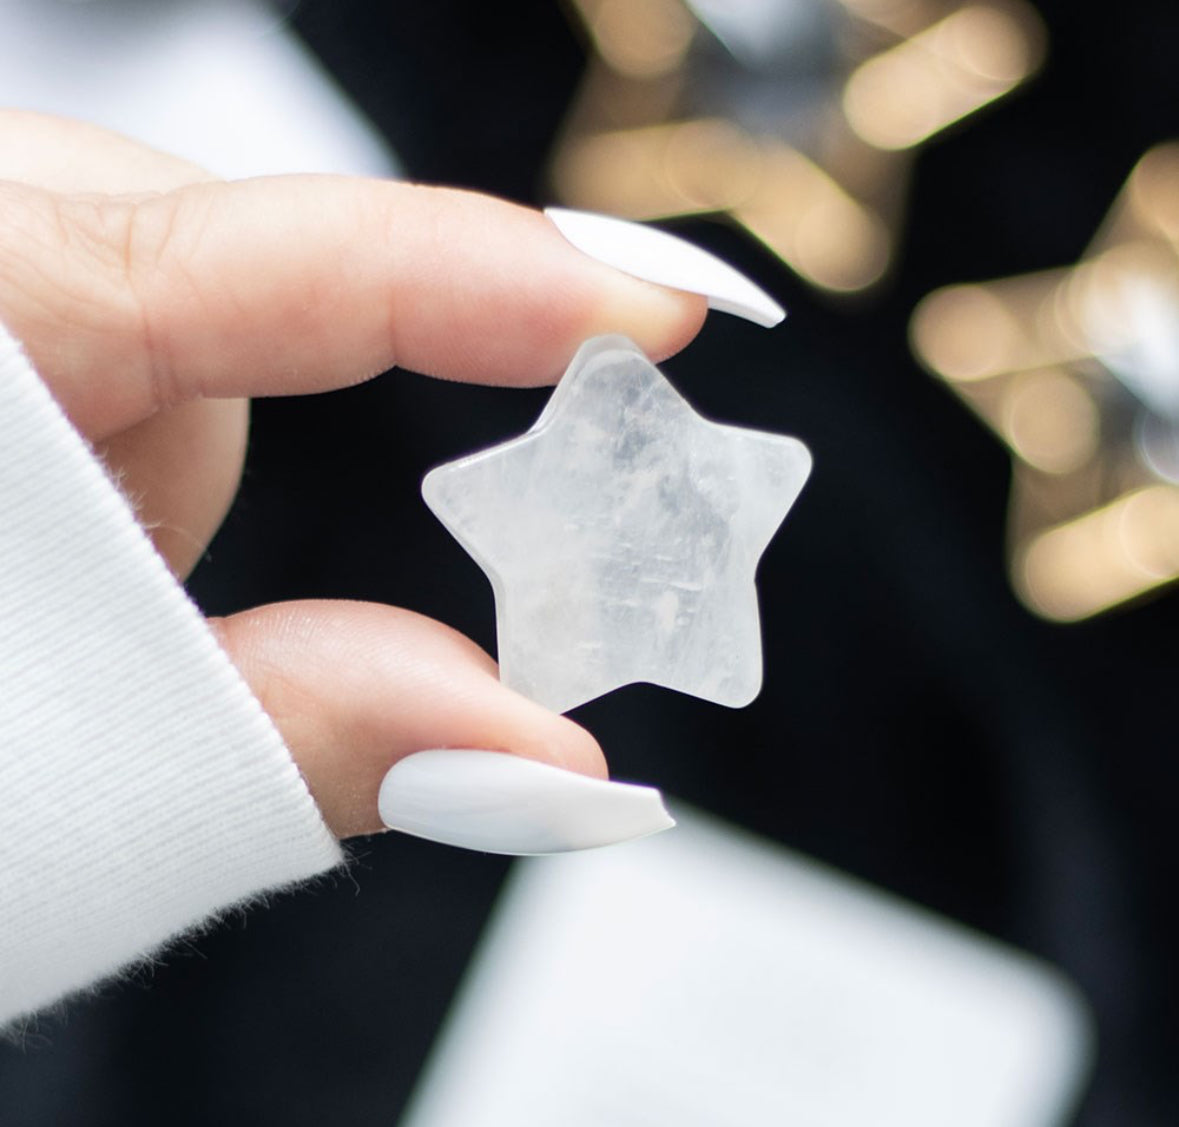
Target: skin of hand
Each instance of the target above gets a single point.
(154, 300)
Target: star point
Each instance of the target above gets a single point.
(621, 535)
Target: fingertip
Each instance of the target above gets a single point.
(563, 743)
(550, 293)
(506, 720)
(659, 318)
(660, 321)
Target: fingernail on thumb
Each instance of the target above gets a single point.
(500, 803)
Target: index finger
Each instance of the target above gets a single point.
(287, 285)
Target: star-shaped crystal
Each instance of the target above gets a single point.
(621, 535)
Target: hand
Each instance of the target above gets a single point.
(154, 299)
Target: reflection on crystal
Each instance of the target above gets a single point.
(1078, 372)
(793, 117)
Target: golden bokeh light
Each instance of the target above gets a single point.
(1077, 370)
(900, 17)
(826, 236)
(903, 96)
(640, 40)
(1105, 557)
(692, 108)
(681, 169)
(966, 333)
(1152, 196)
(1052, 420)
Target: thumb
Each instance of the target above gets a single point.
(356, 687)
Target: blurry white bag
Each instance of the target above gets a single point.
(704, 978)
(221, 82)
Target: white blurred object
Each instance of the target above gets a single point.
(704, 978)
(1132, 326)
(757, 31)
(221, 82)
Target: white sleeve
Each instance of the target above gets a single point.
(142, 787)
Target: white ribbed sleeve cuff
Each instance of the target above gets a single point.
(142, 787)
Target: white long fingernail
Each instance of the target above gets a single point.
(501, 803)
(655, 256)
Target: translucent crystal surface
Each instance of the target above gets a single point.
(621, 534)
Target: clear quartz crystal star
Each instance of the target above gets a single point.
(621, 535)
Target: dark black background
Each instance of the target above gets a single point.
(918, 728)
